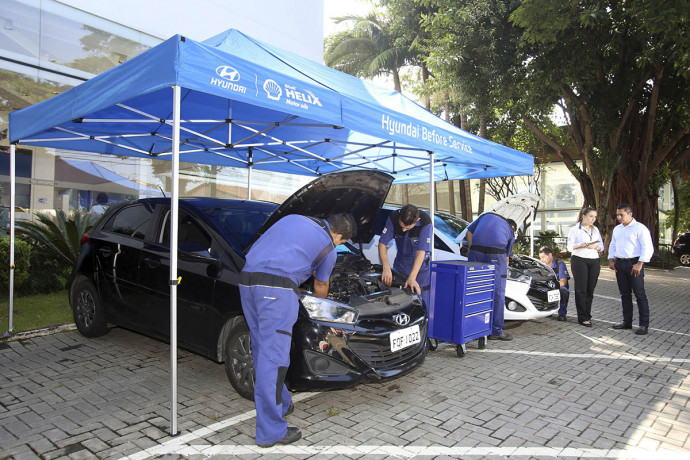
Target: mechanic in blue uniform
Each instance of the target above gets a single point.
(412, 232)
(490, 238)
(285, 256)
(561, 271)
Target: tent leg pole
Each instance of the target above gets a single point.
(431, 201)
(250, 166)
(12, 215)
(174, 212)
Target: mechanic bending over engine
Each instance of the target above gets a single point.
(412, 231)
(490, 239)
(283, 258)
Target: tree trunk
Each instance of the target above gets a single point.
(451, 197)
(645, 208)
(427, 99)
(676, 207)
(483, 132)
(396, 81)
(405, 194)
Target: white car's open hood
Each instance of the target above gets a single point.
(517, 207)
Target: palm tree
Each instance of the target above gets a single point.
(61, 236)
(368, 50)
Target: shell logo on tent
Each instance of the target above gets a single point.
(227, 72)
(273, 90)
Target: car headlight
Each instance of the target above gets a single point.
(329, 310)
(520, 277)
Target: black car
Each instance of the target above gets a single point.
(122, 277)
(681, 248)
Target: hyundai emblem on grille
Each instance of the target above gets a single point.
(402, 318)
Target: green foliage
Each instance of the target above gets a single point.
(684, 214)
(59, 236)
(368, 49)
(22, 258)
(545, 238)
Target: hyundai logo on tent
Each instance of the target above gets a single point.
(227, 72)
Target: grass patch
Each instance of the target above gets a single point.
(36, 312)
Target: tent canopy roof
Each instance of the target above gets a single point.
(247, 103)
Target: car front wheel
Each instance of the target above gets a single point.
(87, 308)
(685, 259)
(239, 362)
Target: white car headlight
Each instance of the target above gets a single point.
(329, 310)
(518, 276)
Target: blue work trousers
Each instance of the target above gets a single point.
(271, 313)
(629, 284)
(501, 263)
(563, 306)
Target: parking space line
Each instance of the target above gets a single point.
(179, 441)
(617, 356)
(413, 451)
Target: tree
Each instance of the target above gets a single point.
(60, 236)
(369, 49)
(619, 71)
(472, 55)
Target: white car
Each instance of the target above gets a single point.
(532, 289)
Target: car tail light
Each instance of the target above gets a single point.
(84, 239)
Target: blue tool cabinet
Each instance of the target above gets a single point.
(461, 302)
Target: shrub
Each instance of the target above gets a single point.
(22, 262)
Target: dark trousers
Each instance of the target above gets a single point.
(585, 274)
(565, 295)
(627, 284)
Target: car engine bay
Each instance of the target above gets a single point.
(529, 266)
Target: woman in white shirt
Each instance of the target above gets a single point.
(585, 245)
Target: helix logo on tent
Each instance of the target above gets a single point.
(227, 72)
(272, 89)
(229, 76)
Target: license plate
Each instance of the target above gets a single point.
(554, 296)
(405, 338)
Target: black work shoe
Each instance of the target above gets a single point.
(641, 331)
(562, 318)
(622, 326)
(290, 410)
(503, 336)
(293, 434)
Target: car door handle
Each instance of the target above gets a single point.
(105, 252)
(152, 262)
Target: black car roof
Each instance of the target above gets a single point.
(208, 202)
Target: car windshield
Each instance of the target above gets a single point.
(239, 225)
(449, 224)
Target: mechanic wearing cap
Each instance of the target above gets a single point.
(490, 238)
(411, 229)
(283, 258)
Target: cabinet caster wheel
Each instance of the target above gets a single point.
(481, 343)
(461, 350)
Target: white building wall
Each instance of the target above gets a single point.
(294, 25)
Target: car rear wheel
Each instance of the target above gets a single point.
(685, 259)
(239, 362)
(87, 308)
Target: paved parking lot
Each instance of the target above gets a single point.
(558, 390)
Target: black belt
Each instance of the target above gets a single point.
(631, 259)
(487, 249)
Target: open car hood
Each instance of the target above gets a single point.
(360, 193)
(517, 207)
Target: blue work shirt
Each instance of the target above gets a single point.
(493, 231)
(289, 249)
(408, 243)
(561, 271)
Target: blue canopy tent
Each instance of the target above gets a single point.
(235, 101)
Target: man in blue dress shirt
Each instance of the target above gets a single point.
(285, 256)
(561, 271)
(630, 248)
(490, 238)
(412, 231)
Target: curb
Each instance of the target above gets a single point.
(39, 332)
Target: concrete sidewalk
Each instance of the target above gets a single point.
(559, 390)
